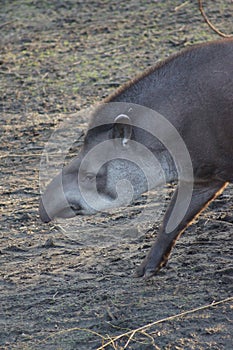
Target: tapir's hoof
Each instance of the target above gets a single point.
(145, 271)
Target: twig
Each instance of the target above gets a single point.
(210, 24)
(131, 333)
(177, 8)
(10, 73)
(65, 331)
(223, 221)
(5, 24)
(28, 155)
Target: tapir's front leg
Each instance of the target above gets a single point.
(202, 194)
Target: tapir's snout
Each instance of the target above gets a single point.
(60, 199)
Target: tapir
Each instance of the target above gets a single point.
(192, 91)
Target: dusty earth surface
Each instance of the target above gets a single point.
(73, 289)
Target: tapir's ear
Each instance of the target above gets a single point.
(122, 128)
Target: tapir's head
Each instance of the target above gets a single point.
(112, 169)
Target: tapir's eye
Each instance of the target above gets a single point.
(90, 176)
(86, 177)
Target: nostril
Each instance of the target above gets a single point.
(75, 207)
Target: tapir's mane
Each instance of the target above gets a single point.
(187, 52)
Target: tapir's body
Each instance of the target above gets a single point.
(194, 92)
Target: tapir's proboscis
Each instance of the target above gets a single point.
(193, 93)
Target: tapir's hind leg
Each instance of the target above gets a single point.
(202, 195)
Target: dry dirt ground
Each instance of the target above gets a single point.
(76, 290)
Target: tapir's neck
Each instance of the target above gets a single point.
(173, 88)
(191, 91)
(168, 167)
(161, 88)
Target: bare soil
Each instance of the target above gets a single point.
(64, 292)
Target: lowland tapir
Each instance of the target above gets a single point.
(193, 92)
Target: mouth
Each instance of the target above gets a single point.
(43, 213)
(64, 213)
(67, 213)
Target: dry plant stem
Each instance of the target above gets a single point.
(5, 24)
(210, 24)
(177, 8)
(131, 333)
(82, 329)
(145, 335)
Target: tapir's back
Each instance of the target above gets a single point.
(184, 81)
(194, 91)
